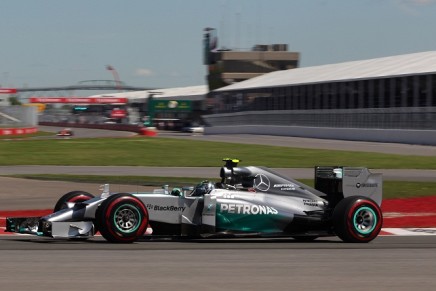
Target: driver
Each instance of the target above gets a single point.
(203, 188)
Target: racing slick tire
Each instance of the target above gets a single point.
(357, 219)
(73, 196)
(122, 218)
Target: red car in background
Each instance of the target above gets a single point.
(65, 132)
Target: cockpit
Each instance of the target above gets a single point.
(203, 188)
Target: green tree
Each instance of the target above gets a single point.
(13, 100)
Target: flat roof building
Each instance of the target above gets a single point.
(390, 92)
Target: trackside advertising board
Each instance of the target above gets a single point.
(171, 106)
(8, 90)
(79, 100)
(17, 131)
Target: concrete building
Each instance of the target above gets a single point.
(228, 66)
(397, 92)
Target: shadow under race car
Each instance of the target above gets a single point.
(248, 201)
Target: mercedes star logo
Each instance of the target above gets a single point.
(261, 182)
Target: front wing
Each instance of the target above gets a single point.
(40, 227)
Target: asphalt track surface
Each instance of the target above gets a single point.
(387, 263)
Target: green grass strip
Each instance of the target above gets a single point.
(166, 152)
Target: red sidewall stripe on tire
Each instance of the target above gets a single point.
(350, 222)
(144, 222)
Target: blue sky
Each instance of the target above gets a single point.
(159, 43)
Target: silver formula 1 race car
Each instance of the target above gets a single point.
(248, 201)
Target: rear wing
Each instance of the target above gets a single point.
(341, 182)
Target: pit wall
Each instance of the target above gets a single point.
(407, 136)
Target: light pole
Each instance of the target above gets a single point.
(210, 43)
(116, 76)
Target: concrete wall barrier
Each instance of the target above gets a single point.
(407, 136)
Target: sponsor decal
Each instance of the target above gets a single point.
(169, 208)
(172, 104)
(261, 182)
(79, 100)
(14, 131)
(366, 185)
(118, 113)
(247, 209)
(8, 90)
(165, 208)
(313, 203)
(285, 187)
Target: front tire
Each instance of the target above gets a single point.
(73, 196)
(122, 218)
(357, 219)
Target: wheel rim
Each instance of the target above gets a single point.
(364, 220)
(127, 218)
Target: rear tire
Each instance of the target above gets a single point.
(357, 219)
(73, 196)
(122, 218)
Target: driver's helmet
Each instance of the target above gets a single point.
(203, 188)
(176, 192)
